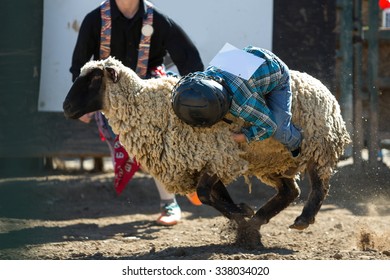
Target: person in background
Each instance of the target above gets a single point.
(264, 100)
(140, 36)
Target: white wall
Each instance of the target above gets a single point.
(210, 24)
(61, 20)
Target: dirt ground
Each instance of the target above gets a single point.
(74, 215)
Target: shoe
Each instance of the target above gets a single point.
(170, 215)
(194, 199)
(296, 152)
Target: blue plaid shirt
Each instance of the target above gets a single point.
(248, 101)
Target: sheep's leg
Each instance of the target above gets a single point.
(212, 191)
(220, 193)
(319, 190)
(249, 234)
(288, 191)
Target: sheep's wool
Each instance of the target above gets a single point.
(175, 153)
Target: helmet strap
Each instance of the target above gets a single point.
(227, 121)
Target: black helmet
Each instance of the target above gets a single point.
(200, 100)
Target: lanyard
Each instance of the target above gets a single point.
(146, 34)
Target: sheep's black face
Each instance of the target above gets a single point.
(85, 95)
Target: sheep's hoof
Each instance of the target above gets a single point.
(248, 237)
(301, 223)
(246, 210)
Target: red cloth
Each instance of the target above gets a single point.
(384, 4)
(124, 166)
(158, 71)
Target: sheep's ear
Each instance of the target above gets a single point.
(113, 74)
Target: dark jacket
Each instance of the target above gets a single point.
(125, 37)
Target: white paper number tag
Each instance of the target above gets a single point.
(236, 61)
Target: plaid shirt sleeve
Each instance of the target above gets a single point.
(248, 104)
(256, 112)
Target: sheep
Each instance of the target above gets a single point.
(187, 159)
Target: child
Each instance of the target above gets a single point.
(264, 100)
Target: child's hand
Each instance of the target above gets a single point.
(239, 137)
(87, 117)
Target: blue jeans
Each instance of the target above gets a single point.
(279, 102)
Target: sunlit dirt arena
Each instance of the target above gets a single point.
(74, 215)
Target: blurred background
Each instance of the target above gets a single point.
(344, 43)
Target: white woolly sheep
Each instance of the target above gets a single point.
(187, 159)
